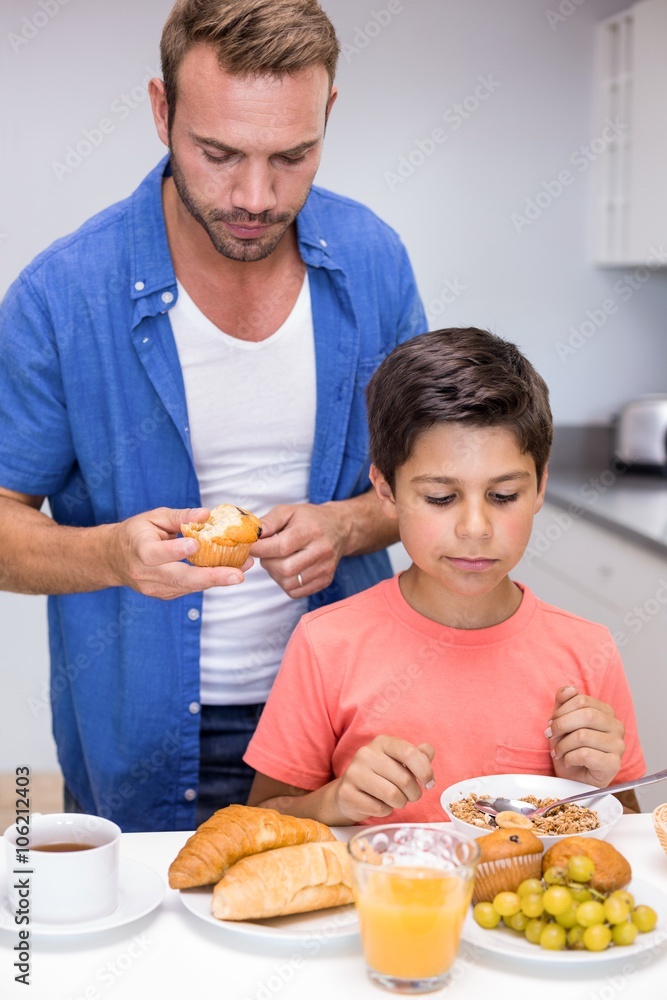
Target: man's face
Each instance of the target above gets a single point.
(244, 152)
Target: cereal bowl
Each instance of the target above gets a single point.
(518, 786)
(660, 824)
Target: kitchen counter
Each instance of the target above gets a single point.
(585, 481)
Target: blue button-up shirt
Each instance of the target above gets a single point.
(94, 416)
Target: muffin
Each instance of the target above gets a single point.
(225, 538)
(507, 858)
(612, 871)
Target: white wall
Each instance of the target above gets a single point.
(88, 60)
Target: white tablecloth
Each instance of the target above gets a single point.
(172, 953)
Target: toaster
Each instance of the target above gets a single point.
(641, 433)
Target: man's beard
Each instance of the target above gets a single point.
(224, 242)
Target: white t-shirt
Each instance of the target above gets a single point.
(251, 410)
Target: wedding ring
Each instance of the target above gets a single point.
(300, 579)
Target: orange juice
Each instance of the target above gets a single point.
(411, 920)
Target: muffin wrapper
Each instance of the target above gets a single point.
(505, 874)
(660, 824)
(212, 554)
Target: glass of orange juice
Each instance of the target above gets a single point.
(413, 885)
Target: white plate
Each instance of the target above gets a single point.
(140, 890)
(338, 922)
(503, 941)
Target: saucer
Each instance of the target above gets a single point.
(140, 890)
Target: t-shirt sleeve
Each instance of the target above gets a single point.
(615, 691)
(36, 448)
(295, 738)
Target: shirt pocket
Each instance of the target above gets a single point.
(512, 759)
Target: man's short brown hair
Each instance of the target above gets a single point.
(460, 375)
(250, 37)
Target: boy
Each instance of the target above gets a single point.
(449, 670)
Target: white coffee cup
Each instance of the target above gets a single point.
(70, 874)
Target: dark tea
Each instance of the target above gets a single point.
(63, 846)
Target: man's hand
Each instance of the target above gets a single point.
(302, 539)
(586, 738)
(384, 775)
(145, 554)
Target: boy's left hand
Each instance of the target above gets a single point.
(585, 738)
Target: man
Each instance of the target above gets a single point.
(207, 340)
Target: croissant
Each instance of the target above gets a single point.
(234, 833)
(287, 880)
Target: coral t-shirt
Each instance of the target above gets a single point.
(372, 665)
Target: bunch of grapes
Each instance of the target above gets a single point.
(561, 910)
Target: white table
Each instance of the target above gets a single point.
(171, 953)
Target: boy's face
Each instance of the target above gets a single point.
(465, 502)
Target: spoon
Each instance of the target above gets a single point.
(494, 806)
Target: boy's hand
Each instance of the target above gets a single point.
(585, 737)
(383, 776)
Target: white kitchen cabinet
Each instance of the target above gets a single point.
(593, 572)
(630, 130)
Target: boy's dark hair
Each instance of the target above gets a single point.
(461, 375)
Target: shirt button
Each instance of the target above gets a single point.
(190, 795)
(323, 243)
(193, 707)
(167, 297)
(193, 614)
(139, 286)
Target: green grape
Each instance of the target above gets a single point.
(581, 895)
(568, 919)
(553, 937)
(485, 915)
(624, 934)
(590, 913)
(554, 876)
(534, 930)
(644, 918)
(530, 886)
(506, 903)
(533, 904)
(580, 868)
(597, 937)
(575, 937)
(557, 899)
(518, 921)
(616, 910)
(623, 894)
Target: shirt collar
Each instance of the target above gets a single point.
(152, 269)
(151, 263)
